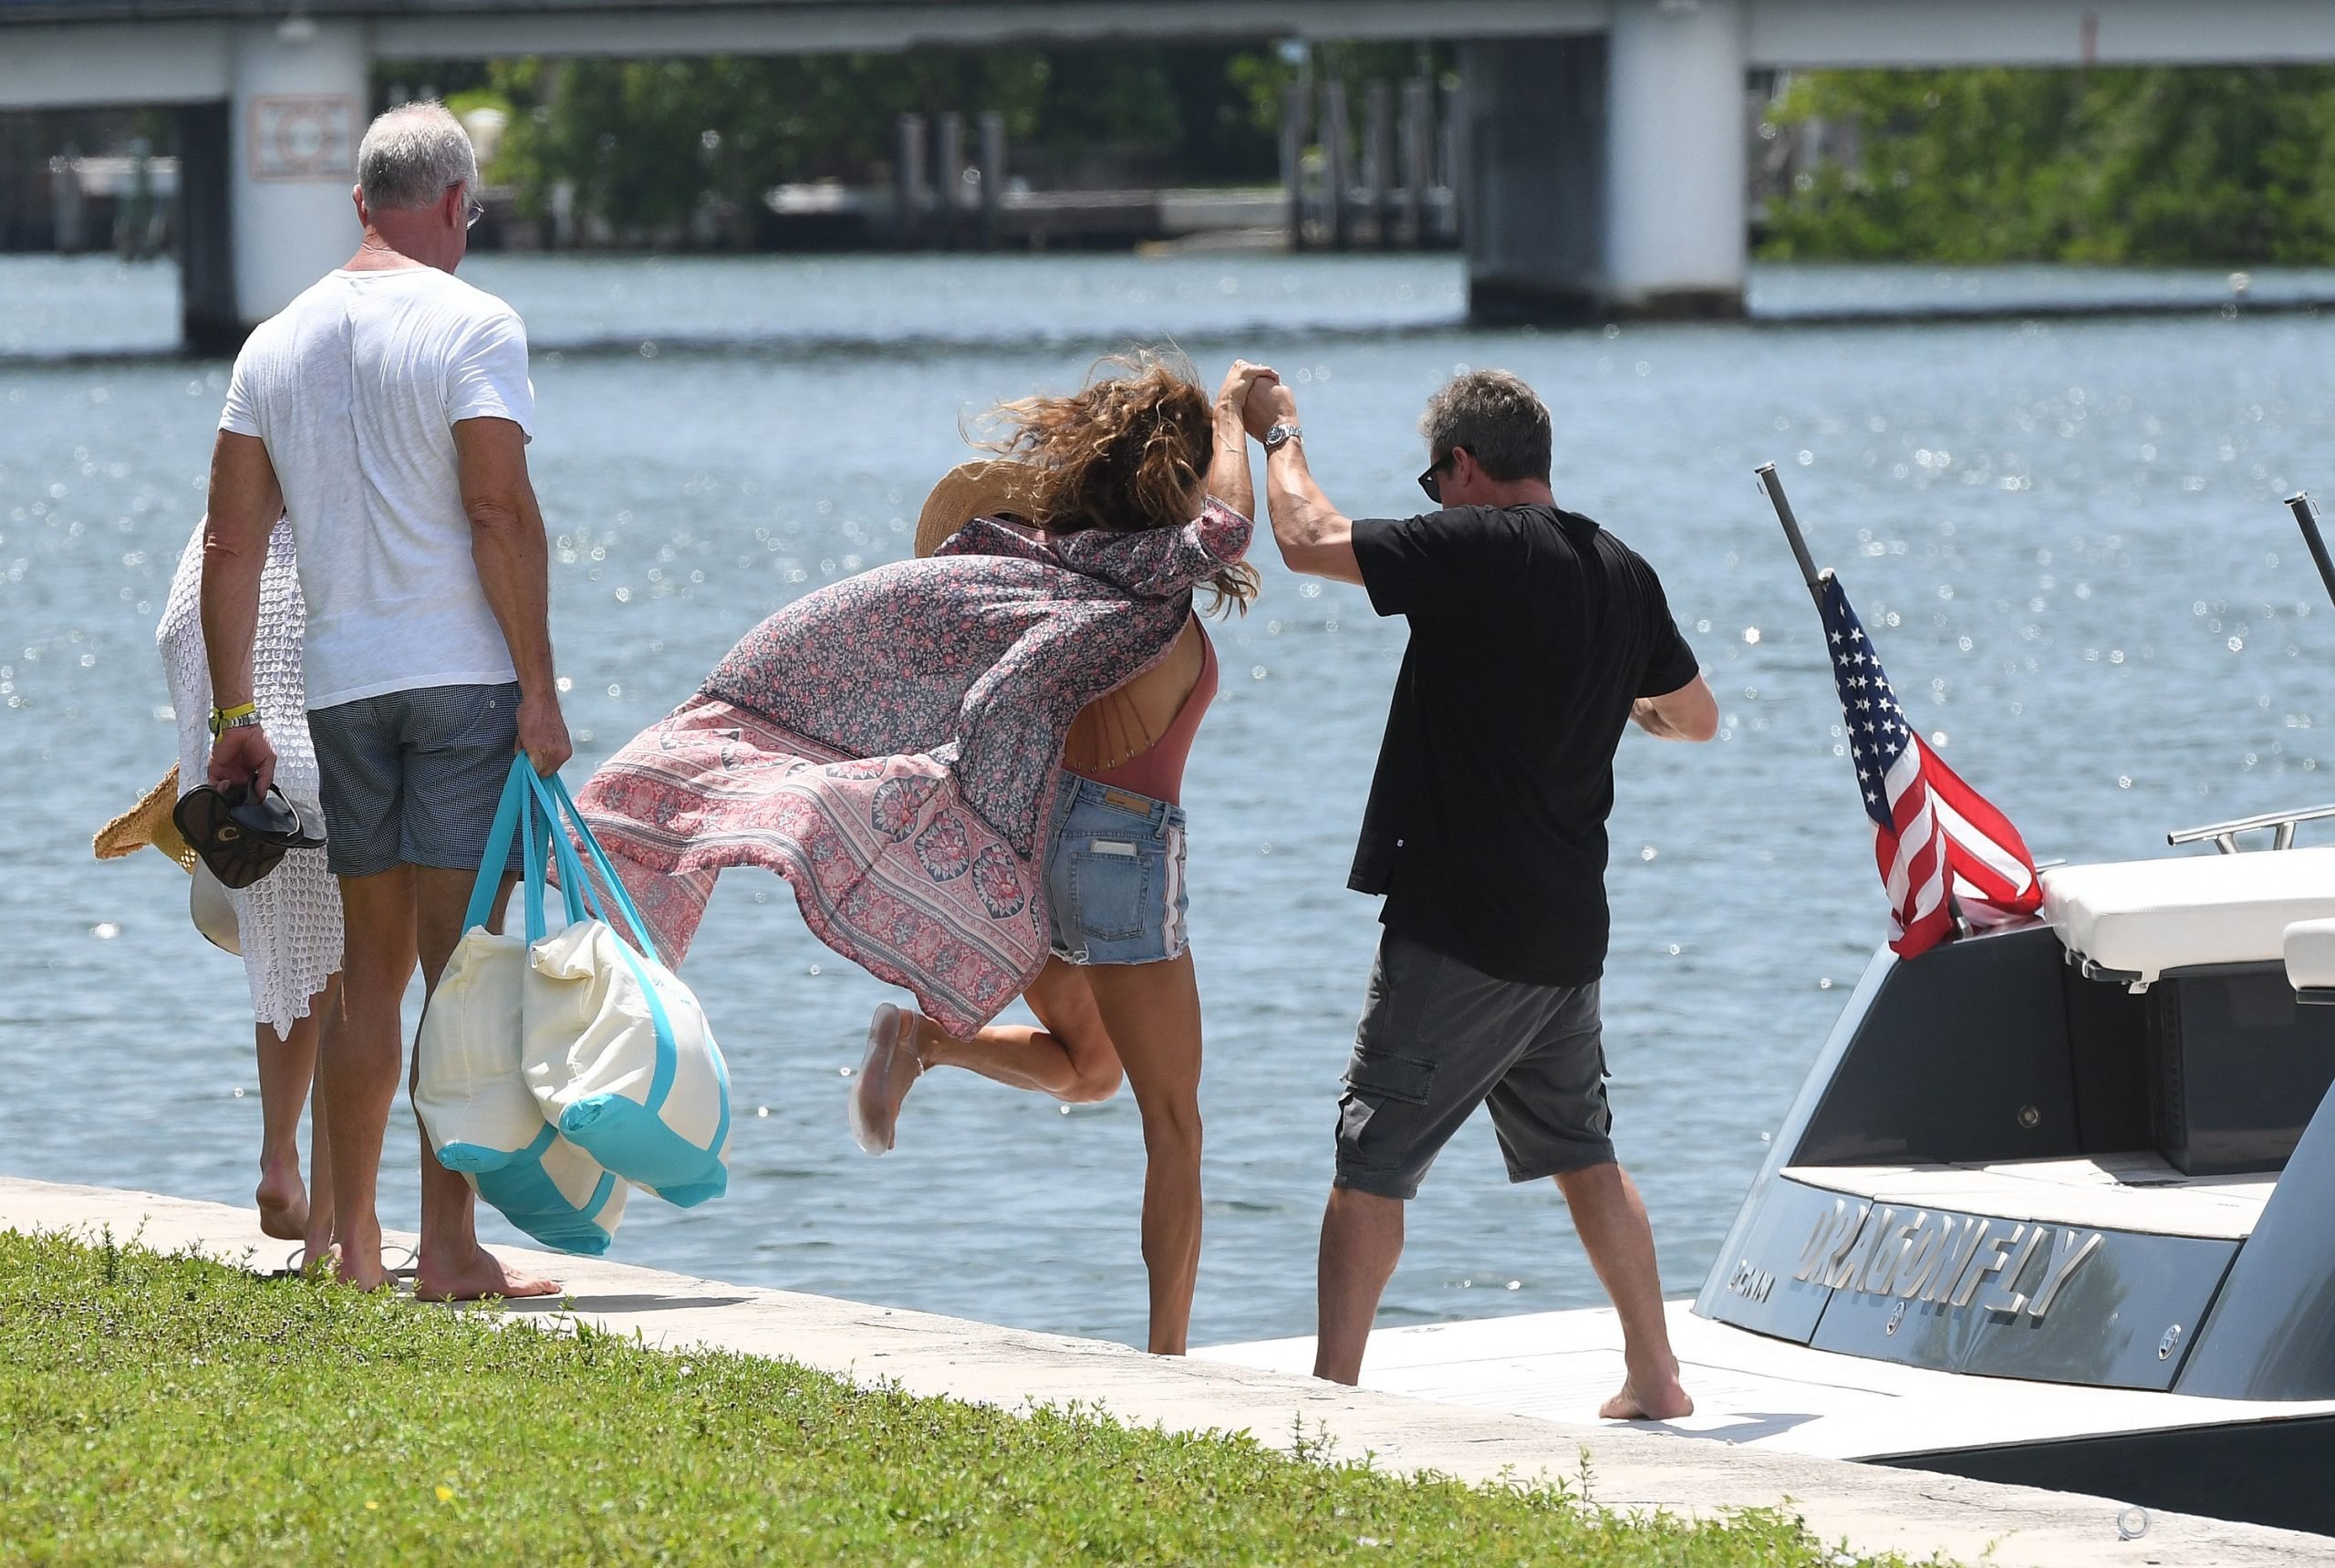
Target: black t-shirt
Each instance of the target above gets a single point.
(1533, 630)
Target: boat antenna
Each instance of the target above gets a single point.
(1774, 487)
(2307, 518)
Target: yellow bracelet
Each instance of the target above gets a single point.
(223, 717)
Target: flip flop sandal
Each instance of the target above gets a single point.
(295, 1266)
(240, 836)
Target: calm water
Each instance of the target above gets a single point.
(2067, 540)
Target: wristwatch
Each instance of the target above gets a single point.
(243, 715)
(1280, 435)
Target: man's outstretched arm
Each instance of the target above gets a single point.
(246, 501)
(1314, 537)
(514, 568)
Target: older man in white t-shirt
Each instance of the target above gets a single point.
(385, 412)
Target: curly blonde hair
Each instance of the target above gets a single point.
(1127, 452)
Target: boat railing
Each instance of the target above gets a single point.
(2281, 823)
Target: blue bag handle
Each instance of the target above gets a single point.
(558, 805)
(531, 852)
(574, 885)
(574, 892)
(507, 812)
(557, 801)
(522, 809)
(544, 803)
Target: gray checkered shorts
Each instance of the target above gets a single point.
(412, 778)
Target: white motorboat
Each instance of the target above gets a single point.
(2055, 1205)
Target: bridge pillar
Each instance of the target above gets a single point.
(300, 96)
(208, 322)
(1532, 171)
(1677, 205)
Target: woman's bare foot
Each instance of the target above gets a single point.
(283, 1202)
(886, 1074)
(1665, 1401)
(474, 1277)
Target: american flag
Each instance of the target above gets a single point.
(1942, 850)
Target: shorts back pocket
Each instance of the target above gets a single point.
(1110, 890)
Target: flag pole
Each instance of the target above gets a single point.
(2307, 518)
(1774, 486)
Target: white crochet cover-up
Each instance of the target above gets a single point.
(290, 918)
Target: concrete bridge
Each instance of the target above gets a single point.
(1605, 141)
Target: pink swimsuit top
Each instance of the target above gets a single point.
(1159, 771)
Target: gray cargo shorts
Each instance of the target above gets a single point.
(1439, 1038)
(414, 778)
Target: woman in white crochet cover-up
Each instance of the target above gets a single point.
(288, 922)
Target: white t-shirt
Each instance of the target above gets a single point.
(356, 387)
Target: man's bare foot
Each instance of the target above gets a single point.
(361, 1269)
(476, 1276)
(317, 1244)
(320, 1262)
(1664, 1402)
(886, 1074)
(283, 1203)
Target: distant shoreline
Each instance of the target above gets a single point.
(1880, 313)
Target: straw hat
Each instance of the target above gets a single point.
(147, 821)
(213, 912)
(997, 487)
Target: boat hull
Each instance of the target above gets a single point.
(2245, 1459)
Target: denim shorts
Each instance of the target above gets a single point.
(1114, 876)
(413, 777)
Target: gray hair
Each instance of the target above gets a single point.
(1499, 418)
(413, 155)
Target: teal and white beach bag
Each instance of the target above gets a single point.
(617, 1051)
(474, 1105)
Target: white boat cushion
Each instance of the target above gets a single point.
(2310, 955)
(2143, 917)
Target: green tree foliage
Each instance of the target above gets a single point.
(2199, 166)
(648, 143)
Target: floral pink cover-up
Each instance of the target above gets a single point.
(891, 746)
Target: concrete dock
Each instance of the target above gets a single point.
(1634, 1467)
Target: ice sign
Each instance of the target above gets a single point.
(303, 136)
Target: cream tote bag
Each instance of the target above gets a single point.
(617, 1053)
(472, 1101)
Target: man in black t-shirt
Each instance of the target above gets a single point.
(1535, 636)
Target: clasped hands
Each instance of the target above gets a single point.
(1256, 397)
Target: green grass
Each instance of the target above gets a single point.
(166, 1410)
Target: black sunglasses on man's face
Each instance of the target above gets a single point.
(1432, 480)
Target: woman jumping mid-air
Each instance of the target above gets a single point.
(967, 767)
